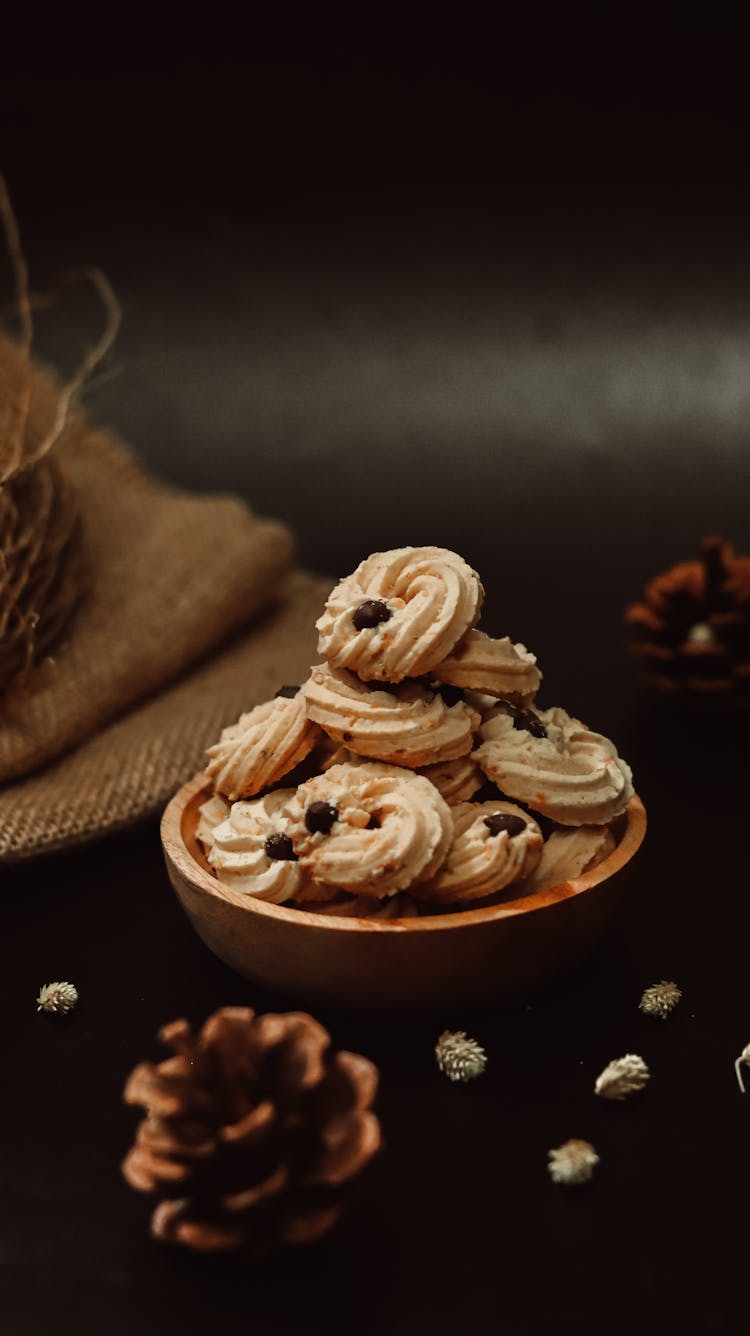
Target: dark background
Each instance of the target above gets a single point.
(479, 283)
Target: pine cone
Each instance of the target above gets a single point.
(252, 1129)
(691, 633)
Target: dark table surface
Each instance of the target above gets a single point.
(424, 329)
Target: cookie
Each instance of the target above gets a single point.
(494, 845)
(372, 830)
(210, 815)
(253, 854)
(479, 701)
(554, 764)
(457, 780)
(568, 853)
(262, 747)
(405, 725)
(400, 613)
(495, 667)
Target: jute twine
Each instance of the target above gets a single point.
(42, 566)
(187, 614)
(171, 576)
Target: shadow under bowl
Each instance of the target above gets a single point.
(470, 957)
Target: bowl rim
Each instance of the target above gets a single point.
(185, 856)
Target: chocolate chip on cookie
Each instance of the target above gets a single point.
(319, 818)
(525, 719)
(371, 613)
(280, 846)
(528, 721)
(500, 821)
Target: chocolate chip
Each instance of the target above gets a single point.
(288, 691)
(530, 722)
(373, 823)
(500, 821)
(280, 846)
(371, 613)
(319, 818)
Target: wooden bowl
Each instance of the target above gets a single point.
(473, 956)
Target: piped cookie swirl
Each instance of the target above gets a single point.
(212, 813)
(406, 725)
(555, 764)
(369, 829)
(568, 853)
(384, 751)
(400, 613)
(252, 853)
(457, 780)
(495, 667)
(262, 747)
(494, 845)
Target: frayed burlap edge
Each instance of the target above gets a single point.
(130, 769)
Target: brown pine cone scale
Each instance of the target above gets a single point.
(691, 631)
(253, 1129)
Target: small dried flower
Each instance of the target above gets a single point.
(622, 1077)
(743, 1059)
(573, 1162)
(57, 997)
(660, 999)
(458, 1057)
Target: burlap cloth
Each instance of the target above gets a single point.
(171, 578)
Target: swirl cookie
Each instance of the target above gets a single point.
(262, 747)
(457, 780)
(369, 829)
(555, 764)
(252, 852)
(568, 853)
(495, 667)
(210, 815)
(405, 725)
(494, 845)
(400, 613)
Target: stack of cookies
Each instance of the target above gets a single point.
(412, 772)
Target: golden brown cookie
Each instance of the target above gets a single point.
(555, 764)
(494, 845)
(210, 815)
(252, 853)
(457, 780)
(369, 829)
(400, 613)
(568, 853)
(405, 725)
(495, 667)
(262, 747)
